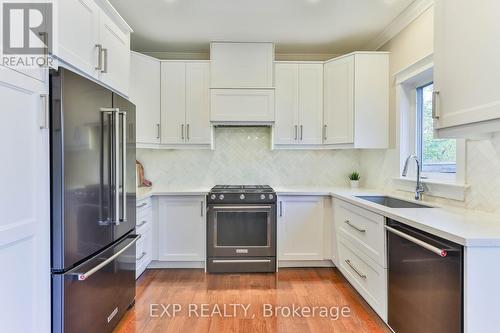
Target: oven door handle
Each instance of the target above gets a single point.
(239, 261)
(241, 207)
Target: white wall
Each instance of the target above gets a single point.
(483, 157)
(243, 156)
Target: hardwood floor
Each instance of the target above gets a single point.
(189, 289)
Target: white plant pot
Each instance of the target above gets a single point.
(354, 183)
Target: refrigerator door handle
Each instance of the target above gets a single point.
(124, 166)
(115, 161)
(90, 272)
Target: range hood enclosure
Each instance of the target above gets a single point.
(242, 83)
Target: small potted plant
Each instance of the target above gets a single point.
(354, 179)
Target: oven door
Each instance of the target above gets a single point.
(241, 231)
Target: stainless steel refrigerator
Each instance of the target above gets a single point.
(93, 204)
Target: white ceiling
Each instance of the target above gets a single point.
(296, 26)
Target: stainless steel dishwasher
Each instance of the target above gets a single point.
(425, 281)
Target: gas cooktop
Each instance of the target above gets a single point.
(242, 189)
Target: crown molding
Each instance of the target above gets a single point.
(412, 12)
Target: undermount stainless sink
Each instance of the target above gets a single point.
(391, 202)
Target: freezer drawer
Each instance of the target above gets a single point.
(93, 296)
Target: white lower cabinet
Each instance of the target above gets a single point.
(360, 239)
(181, 228)
(300, 227)
(144, 227)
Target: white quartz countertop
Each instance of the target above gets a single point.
(465, 227)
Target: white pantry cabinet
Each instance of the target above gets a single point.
(241, 65)
(185, 103)
(300, 228)
(299, 103)
(356, 101)
(467, 98)
(25, 222)
(95, 40)
(145, 94)
(181, 228)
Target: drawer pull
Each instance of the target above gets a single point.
(354, 227)
(141, 256)
(141, 224)
(142, 205)
(361, 275)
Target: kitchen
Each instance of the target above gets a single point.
(301, 166)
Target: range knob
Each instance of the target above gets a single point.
(213, 196)
(262, 197)
(221, 196)
(271, 197)
(242, 197)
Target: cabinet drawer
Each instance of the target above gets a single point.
(368, 278)
(143, 205)
(363, 228)
(143, 252)
(144, 221)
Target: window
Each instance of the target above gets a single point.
(438, 156)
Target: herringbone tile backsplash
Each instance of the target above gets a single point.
(243, 156)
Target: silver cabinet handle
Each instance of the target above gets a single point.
(187, 132)
(325, 137)
(296, 135)
(201, 208)
(435, 111)
(87, 274)
(142, 205)
(301, 132)
(281, 208)
(158, 133)
(440, 252)
(361, 275)
(45, 101)
(99, 57)
(182, 131)
(105, 66)
(354, 227)
(142, 223)
(143, 254)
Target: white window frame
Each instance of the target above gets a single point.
(437, 184)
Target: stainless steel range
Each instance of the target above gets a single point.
(241, 229)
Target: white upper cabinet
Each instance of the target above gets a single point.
(339, 101)
(78, 34)
(299, 103)
(95, 40)
(116, 55)
(356, 99)
(241, 65)
(145, 94)
(242, 106)
(467, 98)
(184, 103)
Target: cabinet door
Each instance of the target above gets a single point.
(78, 34)
(310, 103)
(467, 84)
(145, 94)
(339, 101)
(116, 55)
(197, 106)
(300, 228)
(25, 222)
(181, 229)
(173, 102)
(287, 103)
